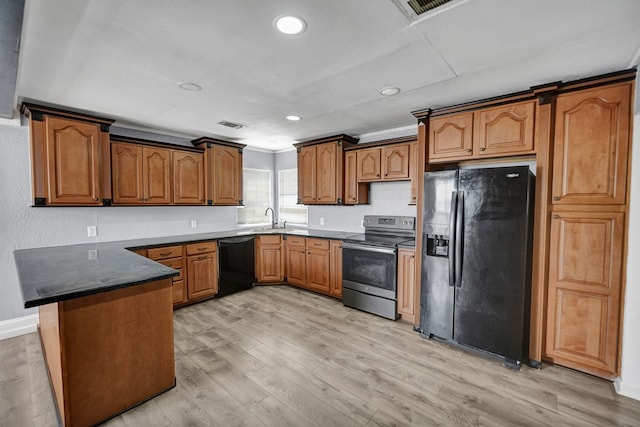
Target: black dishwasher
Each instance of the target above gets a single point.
(236, 265)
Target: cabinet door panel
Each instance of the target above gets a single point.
(451, 137)
(73, 162)
(585, 263)
(355, 192)
(307, 174)
(591, 146)
(327, 173)
(406, 284)
(369, 164)
(318, 270)
(335, 267)
(126, 164)
(395, 162)
(157, 175)
(202, 276)
(188, 178)
(296, 266)
(227, 175)
(505, 130)
(414, 165)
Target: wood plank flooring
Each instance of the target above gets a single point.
(280, 356)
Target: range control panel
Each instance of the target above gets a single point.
(389, 222)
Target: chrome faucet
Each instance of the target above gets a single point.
(273, 217)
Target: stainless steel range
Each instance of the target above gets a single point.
(369, 264)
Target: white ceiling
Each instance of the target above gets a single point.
(123, 59)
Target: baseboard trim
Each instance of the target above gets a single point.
(19, 326)
(626, 389)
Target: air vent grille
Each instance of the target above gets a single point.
(422, 6)
(231, 124)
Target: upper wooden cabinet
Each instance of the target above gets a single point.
(387, 163)
(451, 137)
(188, 178)
(224, 171)
(592, 145)
(355, 192)
(321, 170)
(141, 174)
(368, 164)
(505, 130)
(69, 158)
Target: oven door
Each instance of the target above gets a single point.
(369, 269)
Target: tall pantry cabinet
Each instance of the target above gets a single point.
(588, 221)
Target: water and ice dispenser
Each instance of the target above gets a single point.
(437, 245)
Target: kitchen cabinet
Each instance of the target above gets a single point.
(387, 163)
(585, 269)
(406, 284)
(414, 172)
(318, 262)
(592, 146)
(505, 130)
(172, 256)
(188, 178)
(321, 170)
(202, 270)
(224, 171)
(269, 259)
(296, 260)
(141, 174)
(354, 192)
(369, 164)
(335, 269)
(69, 158)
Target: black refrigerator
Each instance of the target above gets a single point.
(476, 259)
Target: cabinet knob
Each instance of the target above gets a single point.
(556, 198)
(469, 150)
(556, 216)
(483, 148)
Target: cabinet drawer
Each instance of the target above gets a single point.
(296, 241)
(270, 239)
(318, 244)
(166, 252)
(201, 248)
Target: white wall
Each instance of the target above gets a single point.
(630, 384)
(22, 226)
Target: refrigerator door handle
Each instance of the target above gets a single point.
(452, 238)
(459, 238)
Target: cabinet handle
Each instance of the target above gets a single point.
(165, 253)
(202, 249)
(556, 198)
(200, 258)
(556, 216)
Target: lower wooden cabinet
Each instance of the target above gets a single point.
(314, 264)
(335, 269)
(202, 270)
(585, 284)
(406, 284)
(171, 256)
(269, 259)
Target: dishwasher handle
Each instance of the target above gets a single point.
(235, 240)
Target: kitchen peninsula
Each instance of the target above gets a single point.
(106, 322)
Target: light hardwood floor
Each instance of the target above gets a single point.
(279, 356)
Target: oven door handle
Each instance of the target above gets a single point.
(368, 248)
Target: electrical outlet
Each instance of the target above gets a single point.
(194, 223)
(92, 231)
(93, 253)
(321, 220)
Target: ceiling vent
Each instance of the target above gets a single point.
(231, 124)
(417, 9)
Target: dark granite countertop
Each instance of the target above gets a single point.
(61, 273)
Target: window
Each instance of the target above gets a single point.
(288, 207)
(256, 197)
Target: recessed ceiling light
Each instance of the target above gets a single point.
(293, 118)
(290, 24)
(192, 87)
(389, 91)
